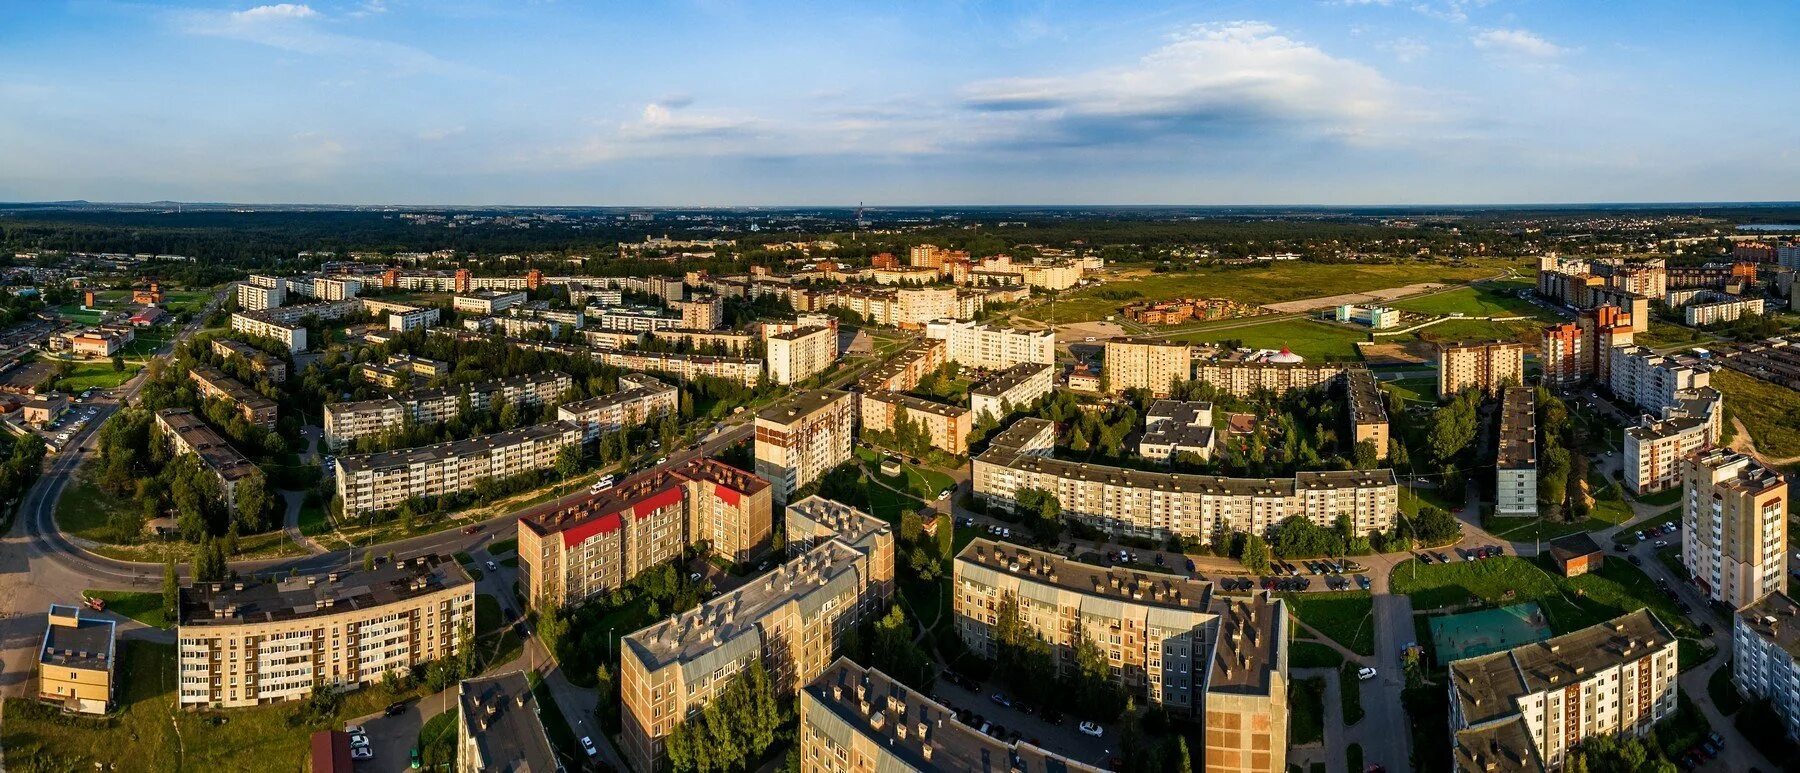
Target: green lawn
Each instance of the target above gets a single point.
(1609, 500)
(1312, 654)
(1662, 498)
(1663, 335)
(1345, 616)
(1350, 694)
(1477, 330)
(487, 614)
(1568, 603)
(503, 546)
(97, 374)
(1307, 338)
(1306, 706)
(1487, 299)
(314, 520)
(1528, 528)
(1768, 411)
(149, 733)
(437, 742)
(146, 608)
(1417, 390)
(73, 312)
(84, 508)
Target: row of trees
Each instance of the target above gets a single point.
(1029, 667)
(735, 730)
(139, 467)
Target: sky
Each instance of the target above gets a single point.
(717, 103)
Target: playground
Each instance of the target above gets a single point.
(1473, 634)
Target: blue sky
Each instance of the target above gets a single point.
(714, 102)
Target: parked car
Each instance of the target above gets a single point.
(396, 708)
(1090, 728)
(1001, 699)
(587, 745)
(493, 567)
(1365, 673)
(362, 753)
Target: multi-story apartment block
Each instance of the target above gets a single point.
(1716, 312)
(799, 354)
(700, 312)
(1015, 388)
(414, 319)
(347, 421)
(1603, 329)
(1653, 381)
(1525, 708)
(254, 297)
(1565, 360)
(1368, 418)
(1368, 409)
(1765, 656)
(946, 425)
(1484, 366)
(571, 552)
(799, 440)
(1655, 447)
(904, 370)
(500, 726)
(260, 641)
(1156, 505)
(379, 481)
(1151, 365)
(856, 718)
(684, 367)
(1515, 463)
(212, 384)
(1177, 427)
(77, 663)
(399, 370)
(187, 434)
(637, 320)
(1734, 527)
(638, 399)
(264, 364)
(816, 520)
(486, 303)
(1170, 639)
(726, 341)
(974, 345)
(792, 620)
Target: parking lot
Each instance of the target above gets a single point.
(977, 708)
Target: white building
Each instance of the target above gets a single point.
(1515, 469)
(253, 297)
(975, 345)
(1765, 656)
(487, 302)
(798, 354)
(1016, 387)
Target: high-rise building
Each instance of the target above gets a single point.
(801, 353)
(797, 441)
(379, 481)
(1734, 527)
(1564, 357)
(1484, 366)
(974, 345)
(1515, 464)
(1654, 448)
(1765, 656)
(1151, 365)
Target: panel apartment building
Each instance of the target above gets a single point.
(1147, 364)
(434, 405)
(571, 552)
(1484, 366)
(1156, 505)
(856, 718)
(988, 347)
(638, 399)
(262, 363)
(188, 434)
(801, 353)
(1653, 449)
(797, 441)
(213, 384)
(1515, 463)
(946, 425)
(77, 664)
(1017, 388)
(254, 642)
(792, 620)
(1368, 417)
(380, 481)
(1733, 527)
(1523, 709)
(1765, 656)
(1170, 639)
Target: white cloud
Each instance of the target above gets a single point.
(1517, 43)
(301, 29)
(275, 12)
(1406, 50)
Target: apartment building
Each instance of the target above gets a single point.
(792, 620)
(1720, 311)
(1484, 366)
(1012, 389)
(684, 367)
(486, 303)
(946, 425)
(571, 552)
(213, 384)
(1515, 462)
(634, 403)
(1368, 409)
(1655, 447)
(700, 312)
(400, 369)
(1151, 365)
(1177, 427)
(186, 433)
(637, 320)
(261, 362)
(1765, 656)
(799, 440)
(856, 718)
(433, 405)
(1156, 505)
(414, 319)
(258, 324)
(815, 520)
(253, 297)
(904, 370)
(1367, 403)
(260, 641)
(730, 342)
(1603, 329)
(77, 663)
(975, 345)
(799, 354)
(904, 275)
(1653, 381)
(1525, 708)
(1734, 527)
(379, 481)
(1563, 357)
(500, 726)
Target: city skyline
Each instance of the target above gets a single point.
(1353, 102)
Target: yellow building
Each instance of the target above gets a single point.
(75, 661)
(1146, 364)
(1734, 527)
(1484, 366)
(799, 440)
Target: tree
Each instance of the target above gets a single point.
(251, 495)
(1256, 554)
(568, 461)
(118, 363)
(1366, 455)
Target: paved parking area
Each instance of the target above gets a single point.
(1062, 739)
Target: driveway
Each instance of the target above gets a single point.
(1062, 739)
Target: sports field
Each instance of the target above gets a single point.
(1473, 634)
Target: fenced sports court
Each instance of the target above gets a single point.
(1472, 634)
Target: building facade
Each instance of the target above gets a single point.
(947, 426)
(1515, 463)
(1015, 388)
(799, 440)
(380, 481)
(638, 399)
(1150, 365)
(974, 345)
(1733, 527)
(77, 661)
(801, 353)
(1484, 366)
(1765, 656)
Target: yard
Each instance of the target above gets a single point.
(1306, 720)
(85, 509)
(1307, 338)
(146, 608)
(1414, 390)
(1666, 335)
(1569, 604)
(1345, 616)
(1771, 413)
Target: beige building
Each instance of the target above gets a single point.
(974, 345)
(1243, 379)
(254, 642)
(799, 354)
(213, 384)
(858, 719)
(292, 336)
(500, 727)
(380, 481)
(638, 399)
(792, 620)
(187, 434)
(1156, 505)
(434, 405)
(685, 367)
(1653, 449)
(253, 297)
(727, 341)
(571, 552)
(700, 312)
(800, 439)
(486, 303)
(1151, 365)
(1017, 388)
(1515, 467)
(1733, 527)
(1484, 366)
(947, 425)
(1368, 409)
(76, 661)
(261, 362)
(1716, 312)
(1525, 708)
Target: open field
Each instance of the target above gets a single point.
(1276, 282)
(74, 312)
(1568, 603)
(1307, 338)
(84, 511)
(1345, 616)
(146, 608)
(97, 374)
(1528, 332)
(1768, 411)
(1487, 299)
(1414, 390)
(1663, 335)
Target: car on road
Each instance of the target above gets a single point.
(1363, 581)
(396, 708)
(1635, 561)
(354, 730)
(493, 567)
(587, 745)
(417, 761)
(1365, 673)
(472, 528)
(1001, 699)
(1090, 728)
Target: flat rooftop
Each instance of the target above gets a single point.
(1132, 586)
(489, 295)
(500, 717)
(1489, 686)
(318, 595)
(1776, 618)
(407, 457)
(917, 403)
(212, 447)
(1750, 479)
(1368, 404)
(87, 644)
(634, 388)
(836, 709)
(233, 388)
(1252, 634)
(801, 405)
(651, 486)
(1503, 747)
(1518, 428)
(831, 518)
(1178, 423)
(800, 332)
(1009, 379)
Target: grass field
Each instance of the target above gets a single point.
(1416, 390)
(1350, 694)
(1488, 299)
(1662, 335)
(1771, 413)
(1568, 603)
(97, 374)
(1279, 281)
(1306, 723)
(1312, 654)
(1525, 529)
(146, 608)
(1476, 330)
(84, 509)
(437, 742)
(1345, 616)
(73, 312)
(1307, 338)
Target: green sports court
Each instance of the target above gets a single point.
(1473, 634)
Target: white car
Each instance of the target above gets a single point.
(359, 741)
(1365, 674)
(1090, 728)
(493, 567)
(354, 730)
(362, 753)
(587, 745)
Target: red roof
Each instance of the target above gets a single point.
(331, 752)
(658, 501)
(581, 532)
(727, 495)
